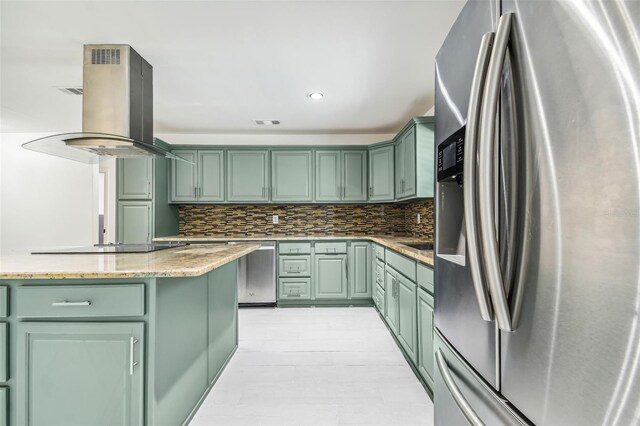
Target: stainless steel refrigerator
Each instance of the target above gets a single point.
(537, 297)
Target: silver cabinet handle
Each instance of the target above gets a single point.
(149, 188)
(454, 390)
(486, 189)
(67, 303)
(469, 173)
(131, 362)
(195, 192)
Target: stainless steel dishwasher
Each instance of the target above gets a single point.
(257, 275)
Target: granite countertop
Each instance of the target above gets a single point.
(393, 242)
(187, 261)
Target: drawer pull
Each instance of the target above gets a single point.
(67, 303)
(132, 363)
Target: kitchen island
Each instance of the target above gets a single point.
(125, 339)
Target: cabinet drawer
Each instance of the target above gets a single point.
(331, 248)
(294, 248)
(80, 301)
(425, 277)
(379, 299)
(379, 250)
(379, 276)
(294, 266)
(295, 288)
(404, 265)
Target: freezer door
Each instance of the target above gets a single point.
(457, 314)
(461, 397)
(574, 357)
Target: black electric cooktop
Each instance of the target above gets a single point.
(112, 248)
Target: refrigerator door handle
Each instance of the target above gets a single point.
(454, 390)
(469, 173)
(486, 190)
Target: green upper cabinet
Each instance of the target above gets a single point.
(202, 181)
(183, 179)
(407, 316)
(248, 175)
(135, 222)
(381, 173)
(341, 175)
(135, 178)
(210, 176)
(414, 159)
(328, 176)
(330, 276)
(360, 270)
(80, 374)
(354, 175)
(291, 176)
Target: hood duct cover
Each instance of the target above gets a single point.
(117, 110)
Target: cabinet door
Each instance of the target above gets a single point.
(134, 222)
(381, 174)
(248, 175)
(360, 270)
(407, 317)
(399, 162)
(183, 177)
(330, 276)
(135, 177)
(409, 152)
(291, 175)
(354, 175)
(80, 374)
(425, 336)
(328, 176)
(390, 301)
(210, 176)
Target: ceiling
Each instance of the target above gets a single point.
(220, 64)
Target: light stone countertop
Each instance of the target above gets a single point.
(392, 242)
(187, 261)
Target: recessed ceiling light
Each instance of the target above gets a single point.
(316, 96)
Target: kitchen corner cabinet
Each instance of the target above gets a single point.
(248, 175)
(414, 159)
(425, 336)
(202, 181)
(135, 178)
(135, 222)
(381, 173)
(341, 175)
(72, 372)
(359, 270)
(330, 276)
(292, 176)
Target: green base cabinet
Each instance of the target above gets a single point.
(80, 373)
(248, 175)
(390, 299)
(425, 336)
(359, 270)
(330, 276)
(292, 176)
(407, 316)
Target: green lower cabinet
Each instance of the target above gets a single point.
(407, 316)
(294, 266)
(359, 270)
(294, 288)
(425, 336)
(80, 374)
(223, 317)
(390, 299)
(330, 276)
(135, 222)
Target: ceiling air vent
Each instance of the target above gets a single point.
(105, 56)
(71, 90)
(267, 122)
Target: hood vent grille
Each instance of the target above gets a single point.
(105, 56)
(71, 90)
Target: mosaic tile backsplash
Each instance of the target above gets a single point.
(228, 220)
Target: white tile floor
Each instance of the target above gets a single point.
(316, 366)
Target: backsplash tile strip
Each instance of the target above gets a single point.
(234, 220)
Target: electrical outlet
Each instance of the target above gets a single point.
(275, 219)
(418, 218)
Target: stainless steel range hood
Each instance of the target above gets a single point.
(117, 110)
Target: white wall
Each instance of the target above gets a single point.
(45, 201)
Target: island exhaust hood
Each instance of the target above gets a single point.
(117, 110)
